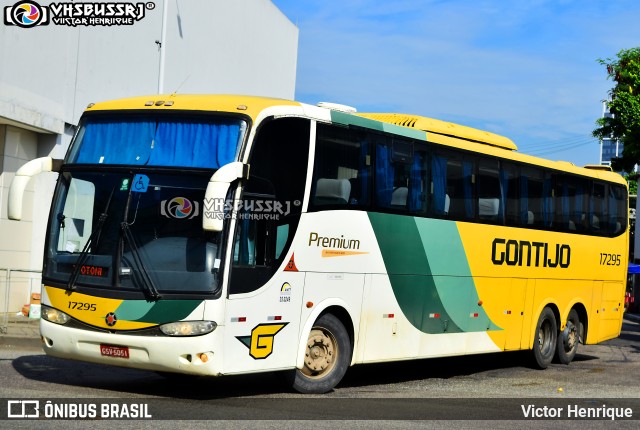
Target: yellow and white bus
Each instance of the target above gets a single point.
(221, 235)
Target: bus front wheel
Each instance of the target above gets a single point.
(569, 338)
(544, 344)
(327, 357)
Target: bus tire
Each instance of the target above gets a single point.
(327, 357)
(544, 344)
(568, 339)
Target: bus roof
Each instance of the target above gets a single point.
(439, 131)
(442, 127)
(248, 105)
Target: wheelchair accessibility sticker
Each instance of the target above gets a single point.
(140, 184)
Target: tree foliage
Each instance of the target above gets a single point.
(633, 187)
(624, 104)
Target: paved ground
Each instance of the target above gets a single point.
(19, 330)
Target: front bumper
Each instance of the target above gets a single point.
(196, 355)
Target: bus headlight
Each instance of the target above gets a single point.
(54, 315)
(188, 328)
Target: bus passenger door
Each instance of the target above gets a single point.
(264, 295)
(264, 301)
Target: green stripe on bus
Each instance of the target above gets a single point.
(452, 274)
(410, 274)
(160, 312)
(431, 278)
(132, 310)
(350, 119)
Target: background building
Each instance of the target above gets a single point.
(609, 148)
(49, 73)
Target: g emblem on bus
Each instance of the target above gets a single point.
(260, 343)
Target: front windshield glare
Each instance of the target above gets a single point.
(144, 232)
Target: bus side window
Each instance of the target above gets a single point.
(617, 210)
(459, 200)
(598, 209)
(531, 197)
(490, 201)
(569, 203)
(399, 176)
(278, 176)
(244, 253)
(418, 180)
(440, 201)
(548, 207)
(385, 180)
(509, 193)
(342, 171)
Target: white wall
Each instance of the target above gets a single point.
(50, 73)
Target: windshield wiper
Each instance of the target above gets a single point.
(146, 282)
(95, 237)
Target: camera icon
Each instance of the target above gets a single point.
(26, 14)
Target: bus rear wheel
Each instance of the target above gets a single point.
(544, 344)
(569, 338)
(327, 357)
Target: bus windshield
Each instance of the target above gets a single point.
(127, 213)
(139, 230)
(158, 140)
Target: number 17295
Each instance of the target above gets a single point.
(610, 259)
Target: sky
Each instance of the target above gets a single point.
(526, 69)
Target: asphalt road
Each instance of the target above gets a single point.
(485, 391)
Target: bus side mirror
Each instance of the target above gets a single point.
(214, 197)
(21, 179)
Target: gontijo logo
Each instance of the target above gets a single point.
(28, 14)
(261, 340)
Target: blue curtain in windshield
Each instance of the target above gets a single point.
(175, 143)
(194, 144)
(116, 142)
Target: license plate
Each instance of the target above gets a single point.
(114, 351)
